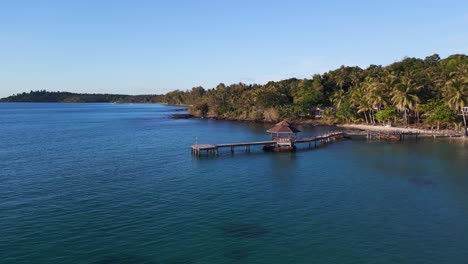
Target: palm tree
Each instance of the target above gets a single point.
(358, 100)
(404, 96)
(355, 78)
(364, 107)
(375, 95)
(337, 98)
(456, 97)
(460, 72)
(457, 126)
(340, 81)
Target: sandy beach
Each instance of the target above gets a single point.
(400, 129)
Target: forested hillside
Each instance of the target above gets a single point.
(429, 92)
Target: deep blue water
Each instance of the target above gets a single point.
(115, 183)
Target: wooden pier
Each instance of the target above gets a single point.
(213, 149)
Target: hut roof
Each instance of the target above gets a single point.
(283, 127)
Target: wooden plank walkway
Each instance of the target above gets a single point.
(213, 149)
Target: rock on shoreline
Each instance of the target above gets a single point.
(181, 116)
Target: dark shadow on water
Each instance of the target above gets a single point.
(236, 254)
(421, 181)
(244, 231)
(282, 164)
(181, 261)
(124, 260)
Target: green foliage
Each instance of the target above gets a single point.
(436, 112)
(287, 111)
(202, 109)
(386, 114)
(346, 112)
(442, 113)
(307, 95)
(453, 62)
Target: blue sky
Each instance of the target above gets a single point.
(141, 47)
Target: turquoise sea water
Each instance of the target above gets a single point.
(110, 183)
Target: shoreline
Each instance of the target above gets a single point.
(448, 134)
(384, 128)
(345, 126)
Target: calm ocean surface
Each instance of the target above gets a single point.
(115, 183)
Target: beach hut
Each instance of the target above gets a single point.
(283, 133)
(283, 129)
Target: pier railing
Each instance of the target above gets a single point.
(213, 149)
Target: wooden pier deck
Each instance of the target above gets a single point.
(213, 149)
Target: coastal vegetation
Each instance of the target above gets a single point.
(427, 93)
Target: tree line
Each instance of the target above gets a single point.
(66, 97)
(429, 92)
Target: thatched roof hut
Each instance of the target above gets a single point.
(283, 127)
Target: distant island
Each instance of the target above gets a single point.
(67, 97)
(430, 93)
